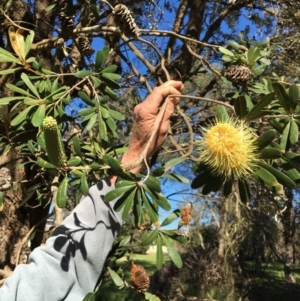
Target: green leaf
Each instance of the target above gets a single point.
(7, 57)
(110, 83)
(43, 163)
(281, 177)
(234, 44)
(159, 253)
(8, 71)
(86, 111)
(86, 98)
(214, 185)
(38, 116)
(152, 212)
(48, 8)
(151, 297)
(77, 146)
(161, 200)
(111, 76)
(109, 69)
(270, 153)
(265, 139)
(294, 132)
(74, 161)
(266, 177)
(83, 73)
(21, 116)
(61, 196)
(117, 192)
(244, 191)
(28, 42)
(102, 129)
(104, 112)
(284, 137)
(221, 113)
(111, 93)
(294, 95)
(282, 96)
(153, 184)
(257, 110)
(168, 165)
(116, 278)
(84, 187)
(7, 100)
(29, 84)
(116, 115)
(226, 51)
(18, 90)
(240, 106)
(171, 217)
(175, 177)
(172, 252)
(150, 238)
(91, 122)
(128, 205)
(101, 57)
(31, 101)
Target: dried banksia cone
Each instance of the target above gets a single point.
(238, 73)
(186, 215)
(53, 142)
(84, 45)
(139, 278)
(125, 21)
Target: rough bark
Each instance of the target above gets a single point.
(289, 233)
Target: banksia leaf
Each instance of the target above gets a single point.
(53, 142)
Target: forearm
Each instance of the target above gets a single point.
(68, 267)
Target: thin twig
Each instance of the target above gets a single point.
(25, 239)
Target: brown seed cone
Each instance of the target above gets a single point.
(139, 278)
(125, 20)
(238, 73)
(186, 216)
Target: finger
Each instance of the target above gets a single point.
(169, 112)
(153, 101)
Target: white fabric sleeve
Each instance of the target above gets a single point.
(68, 267)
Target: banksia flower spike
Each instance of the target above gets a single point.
(139, 278)
(53, 142)
(229, 148)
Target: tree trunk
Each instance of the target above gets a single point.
(223, 227)
(288, 233)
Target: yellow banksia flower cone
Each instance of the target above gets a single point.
(228, 148)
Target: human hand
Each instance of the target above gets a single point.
(145, 116)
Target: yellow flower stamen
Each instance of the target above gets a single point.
(228, 148)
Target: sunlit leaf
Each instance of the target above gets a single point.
(84, 188)
(258, 110)
(39, 115)
(285, 137)
(172, 252)
(171, 217)
(150, 238)
(115, 277)
(61, 196)
(281, 177)
(294, 132)
(159, 253)
(282, 96)
(21, 116)
(101, 57)
(83, 73)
